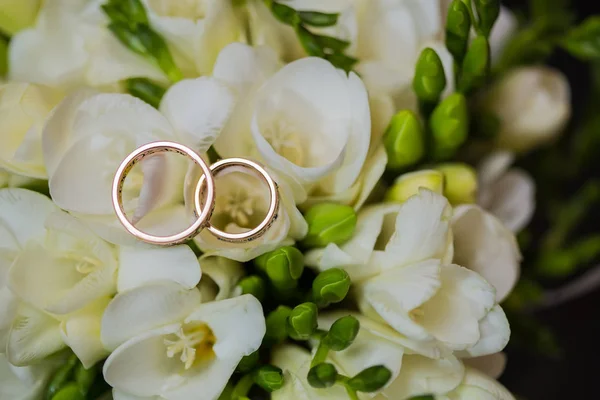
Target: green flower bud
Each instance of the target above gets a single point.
(254, 285)
(61, 377)
(430, 80)
(309, 41)
(283, 266)
(408, 185)
(247, 363)
(329, 223)
(449, 125)
(3, 57)
(461, 183)
(319, 19)
(16, 15)
(146, 90)
(342, 333)
(331, 286)
(276, 323)
(69, 392)
(85, 378)
(488, 12)
(371, 379)
(269, 377)
(404, 140)
(127, 11)
(476, 66)
(285, 14)
(322, 376)
(302, 322)
(458, 27)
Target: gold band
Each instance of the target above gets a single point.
(260, 230)
(203, 215)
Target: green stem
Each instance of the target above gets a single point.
(351, 393)
(320, 355)
(243, 386)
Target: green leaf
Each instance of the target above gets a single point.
(285, 14)
(342, 61)
(146, 90)
(131, 12)
(583, 41)
(314, 18)
(309, 42)
(332, 43)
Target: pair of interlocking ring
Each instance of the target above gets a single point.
(205, 185)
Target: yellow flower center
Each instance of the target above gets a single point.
(285, 141)
(193, 342)
(239, 206)
(84, 264)
(189, 9)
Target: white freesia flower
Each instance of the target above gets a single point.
(533, 105)
(409, 282)
(25, 383)
(220, 276)
(72, 39)
(195, 30)
(386, 36)
(167, 345)
(24, 108)
(89, 135)
(492, 365)
(478, 386)
(8, 179)
(508, 193)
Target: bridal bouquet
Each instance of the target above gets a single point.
(391, 128)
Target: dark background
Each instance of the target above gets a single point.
(575, 374)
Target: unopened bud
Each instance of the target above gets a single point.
(476, 65)
(458, 27)
(302, 322)
(430, 79)
(283, 266)
(254, 285)
(269, 377)
(407, 185)
(69, 392)
(487, 13)
(331, 286)
(276, 323)
(449, 126)
(371, 379)
(460, 183)
(329, 223)
(322, 376)
(404, 140)
(85, 378)
(247, 363)
(342, 333)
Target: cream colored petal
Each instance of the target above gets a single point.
(422, 229)
(423, 376)
(477, 386)
(142, 265)
(8, 311)
(198, 110)
(23, 383)
(221, 272)
(494, 334)
(453, 314)
(484, 245)
(492, 365)
(81, 332)
(147, 307)
(395, 293)
(493, 167)
(209, 381)
(119, 395)
(34, 336)
(22, 213)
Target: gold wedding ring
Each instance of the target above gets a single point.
(203, 215)
(271, 216)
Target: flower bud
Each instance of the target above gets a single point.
(331, 286)
(127, 11)
(247, 363)
(276, 323)
(16, 15)
(371, 379)
(283, 266)
(449, 125)
(254, 285)
(342, 333)
(322, 376)
(458, 27)
(533, 105)
(460, 183)
(408, 185)
(476, 65)
(69, 392)
(404, 140)
(302, 322)
(430, 80)
(269, 377)
(61, 377)
(146, 90)
(329, 223)
(487, 13)
(85, 378)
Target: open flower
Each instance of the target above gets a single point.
(167, 345)
(405, 277)
(25, 383)
(478, 386)
(24, 108)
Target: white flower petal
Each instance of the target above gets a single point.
(505, 27)
(23, 383)
(484, 245)
(198, 110)
(495, 333)
(34, 336)
(81, 332)
(494, 166)
(8, 311)
(147, 307)
(477, 386)
(422, 229)
(453, 314)
(492, 365)
(142, 265)
(221, 272)
(119, 395)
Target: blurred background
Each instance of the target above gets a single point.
(554, 351)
